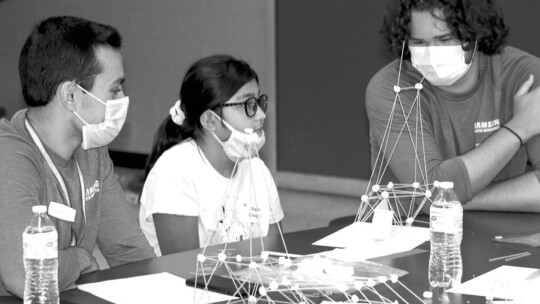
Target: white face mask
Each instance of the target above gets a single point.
(240, 145)
(440, 65)
(101, 134)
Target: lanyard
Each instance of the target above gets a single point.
(59, 178)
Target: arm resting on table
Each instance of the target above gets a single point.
(176, 233)
(71, 263)
(487, 160)
(520, 194)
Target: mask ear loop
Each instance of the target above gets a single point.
(104, 103)
(474, 52)
(212, 132)
(79, 116)
(75, 112)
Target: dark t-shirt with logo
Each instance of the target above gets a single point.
(450, 124)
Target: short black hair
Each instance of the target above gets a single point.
(469, 20)
(62, 49)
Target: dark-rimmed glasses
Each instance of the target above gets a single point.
(251, 104)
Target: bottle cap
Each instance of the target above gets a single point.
(39, 209)
(446, 185)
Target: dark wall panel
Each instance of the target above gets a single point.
(326, 54)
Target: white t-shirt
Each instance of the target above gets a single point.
(183, 182)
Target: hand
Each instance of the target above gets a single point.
(93, 267)
(86, 259)
(525, 121)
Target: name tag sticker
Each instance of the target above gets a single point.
(62, 212)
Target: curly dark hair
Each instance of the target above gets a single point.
(470, 20)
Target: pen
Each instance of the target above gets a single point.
(511, 256)
(517, 256)
(283, 254)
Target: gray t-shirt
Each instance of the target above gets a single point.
(452, 124)
(27, 180)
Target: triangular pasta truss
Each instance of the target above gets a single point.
(263, 276)
(405, 200)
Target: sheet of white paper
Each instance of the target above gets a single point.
(354, 254)
(154, 288)
(505, 282)
(363, 241)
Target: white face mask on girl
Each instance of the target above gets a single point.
(240, 145)
(101, 134)
(440, 65)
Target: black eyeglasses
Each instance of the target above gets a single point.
(251, 104)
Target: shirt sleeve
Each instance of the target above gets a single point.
(119, 237)
(276, 212)
(405, 160)
(21, 187)
(168, 189)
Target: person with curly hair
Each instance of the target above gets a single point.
(478, 98)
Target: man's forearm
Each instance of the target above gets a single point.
(71, 263)
(486, 161)
(521, 194)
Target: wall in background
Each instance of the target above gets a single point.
(520, 16)
(161, 39)
(325, 57)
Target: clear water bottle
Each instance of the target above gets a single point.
(40, 251)
(446, 226)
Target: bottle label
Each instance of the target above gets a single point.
(444, 220)
(40, 245)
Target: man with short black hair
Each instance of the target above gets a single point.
(54, 152)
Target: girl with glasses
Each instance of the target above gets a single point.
(205, 183)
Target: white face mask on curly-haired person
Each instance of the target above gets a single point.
(440, 65)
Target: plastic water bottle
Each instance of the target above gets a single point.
(40, 251)
(446, 226)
